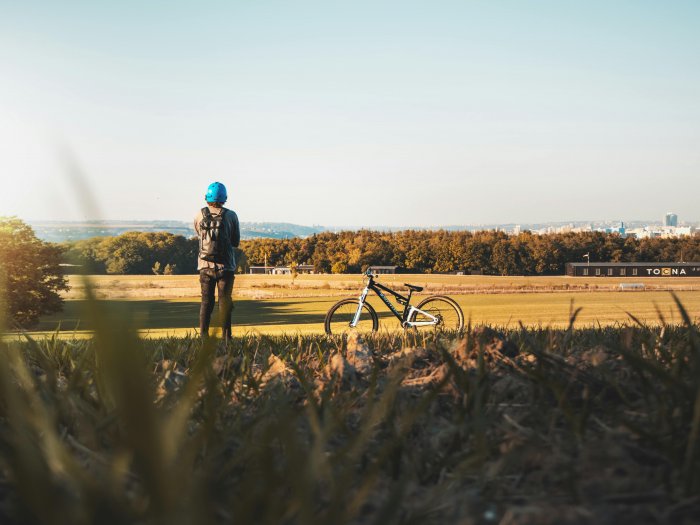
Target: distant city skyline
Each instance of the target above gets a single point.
(358, 114)
(563, 221)
(59, 231)
(596, 221)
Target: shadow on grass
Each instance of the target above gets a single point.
(162, 314)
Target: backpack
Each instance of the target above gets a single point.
(212, 246)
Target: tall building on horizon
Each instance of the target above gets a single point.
(670, 219)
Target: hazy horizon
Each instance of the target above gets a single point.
(369, 113)
(649, 221)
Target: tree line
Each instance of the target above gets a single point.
(419, 251)
(133, 253)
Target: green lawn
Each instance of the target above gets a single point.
(159, 317)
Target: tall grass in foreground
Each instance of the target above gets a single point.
(518, 426)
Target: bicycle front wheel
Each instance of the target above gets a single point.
(342, 313)
(446, 310)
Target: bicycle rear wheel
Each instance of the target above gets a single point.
(342, 313)
(447, 311)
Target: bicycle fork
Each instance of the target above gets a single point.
(363, 296)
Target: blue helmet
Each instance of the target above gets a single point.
(216, 192)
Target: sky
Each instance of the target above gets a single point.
(362, 113)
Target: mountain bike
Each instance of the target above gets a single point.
(435, 311)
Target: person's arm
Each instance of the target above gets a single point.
(235, 231)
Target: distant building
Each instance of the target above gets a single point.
(261, 269)
(671, 219)
(636, 269)
(287, 270)
(632, 286)
(667, 232)
(383, 269)
(71, 269)
(682, 231)
(620, 230)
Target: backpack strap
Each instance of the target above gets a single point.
(205, 212)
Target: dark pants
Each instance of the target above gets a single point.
(223, 280)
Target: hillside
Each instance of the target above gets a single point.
(61, 231)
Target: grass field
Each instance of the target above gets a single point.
(513, 426)
(274, 286)
(521, 426)
(168, 305)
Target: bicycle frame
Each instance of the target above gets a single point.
(408, 310)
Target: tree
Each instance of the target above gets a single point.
(126, 254)
(241, 260)
(339, 267)
(30, 273)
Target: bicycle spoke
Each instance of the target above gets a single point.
(341, 315)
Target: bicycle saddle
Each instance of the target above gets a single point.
(413, 287)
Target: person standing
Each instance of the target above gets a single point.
(219, 233)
